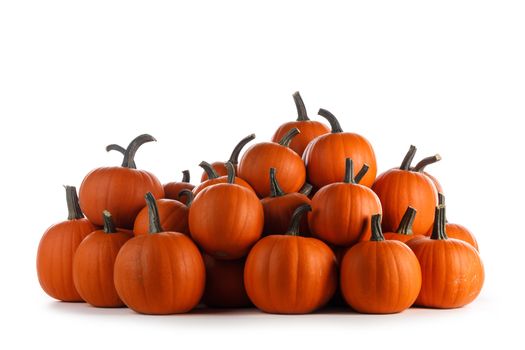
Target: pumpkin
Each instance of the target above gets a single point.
(54, 260)
(225, 283)
(324, 156)
(173, 215)
(452, 270)
(120, 190)
(161, 272)
(420, 167)
(402, 187)
(226, 219)
(94, 262)
(279, 207)
(404, 231)
(172, 190)
(214, 179)
(341, 211)
(258, 159)
(220, 167)
(380, 276)
(309, 129)
(290, 274)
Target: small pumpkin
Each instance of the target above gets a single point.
(310, 129)
(119, 190)
(173, 215)
(324, 156)
(94, 262)
(161, 272)
(54, 260)
(341, 211)
(420, 167)
(380, 276)
(220, 167)
(226, 219)
(279, 207)
(214, 179)
(404, 231)
(290, 274)
(172, 190)
(452, 270)
(258, 159)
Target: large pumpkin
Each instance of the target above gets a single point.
(290, 274)
(54, 260)
(214, 179)
(404, 231)
(310, 129)
(120, 190)
(172, 190)
(324, 156)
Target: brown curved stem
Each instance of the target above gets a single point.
(231, 172)
(109, 225)
(438, 230)
(306, 189)
(420, 167)
(73, 207)
(129, 155)
(349, 171)
(118, 148)
(405, 226)
(377, 233)
(212, 174)
(287, 138)
(275, 189)
(361, 173)
(186, 176)
(295, 222)
(334, 123)
(189, 196)
(234, 157)
(301, 109)
(407, 161)
(153, 213)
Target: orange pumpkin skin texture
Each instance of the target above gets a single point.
(120, 190)
(93, 265)
(289, 274)
(452, 270)
(324, 156)
(214, 178)
(54, 262)
(225, 283)
(173, 189)
(404, 232)
(460, 232)
(380, 276)
(309, 129)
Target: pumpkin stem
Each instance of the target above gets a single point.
(275, 189)
(439, 231)
(334, 123)
(189, 196)
(129, 155)
(153, 213)
(301, 109)
(234, 157)
(118, 148)
(109, 225)
(306, 189)
(441, 201)
(231, 172)
(405, 226)
(287, 138)
(405, 165)
(420, 167)
(361, 173)
(186, 176)
(349, 171)
(73, 207)
(295, 222)
(377, 233)
(212, 174)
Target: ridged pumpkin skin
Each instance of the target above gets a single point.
(173, 217)
(310, 129)
(460, 232)
(435, 181)
(278, 213)
(221, 180)
(401, 237)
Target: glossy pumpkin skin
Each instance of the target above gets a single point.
(173, 217)
(278, 213)
(221, 180)
(310, 129)
(172, 189)
(460, 232)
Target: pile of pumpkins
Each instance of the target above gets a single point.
(297, 223)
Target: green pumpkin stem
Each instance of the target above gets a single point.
(118, 148)
(109, 225)
(361, 173)
(306, 189)
(234, 157)
(287, 138)
(334, 123)
(377, 232)
(295, 222)
(186, 176)
(231, 172)
(208, 168)
(405, 226)
(275, 189)
(349, 171)
(301, 109)
(129, 155)
(189, 196)
(407, 161)
(420, 167)
(73, 207)
(153, 214)
(439, 231)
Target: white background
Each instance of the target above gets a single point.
(447, 76)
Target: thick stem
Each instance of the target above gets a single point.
(439, 231)
(153, 213)
(234, 157)
(306, 189)
(231, 172)
(73, 207)
(275, 189)
(186, 176)
(118, 148)
(377, 233)
(349, 171)
(212, 174)
(420, 167)
(301, 109)
(189, 195)
(405, 226)
(407, 161)
(441, 201)
(334, 123)
(129, 155)
(295, 222)
(287, 138)
(361, 173)
(109, 225)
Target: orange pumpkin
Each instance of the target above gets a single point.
(420, 167)
(214, 179)
(380, 276)
(340, 211)
(310, 129)
(452, 270)
(94, 262)
(290, 274)
(258, 159)
(172, 190)
(402, 187)
(54, 260)
(324, 156)
(120, 190)
(226, 219)
(404, 231)
(161, 272)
